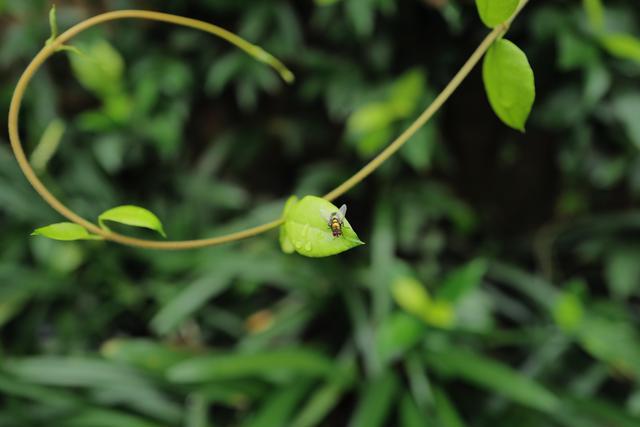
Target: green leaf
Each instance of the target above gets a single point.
(48, 145)
(91, 417)
(306, 226)
(413, 297)
(189, 300)
(70, 371)
(65, 231)
(447, 413)
(458, 363)
(595, 13)
(623, 46)
(134, 216)
(53, 25)
(495, 12)
(289, 362)
(375, 403)
(410, 415)
(622, 272)
(463, 280)
(407, 92)
(508, 80)
(614, 341)
(99, 69)
(568, 312)
(603, 412)
(398, 333)
(279, 407)
(626, 108)
(319, 404)
(371, 117)
(285, 243)
(142, 353)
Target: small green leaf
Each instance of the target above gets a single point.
(99, 69)
(65, 231)
(508, 80)
(568, 312)
(411, 295)
(285, 243)
(134, 216)
(407, 92)
(495, 12)
(623, 46)
(48, 145)
(595, 13)
(53, 24)
(306, 226)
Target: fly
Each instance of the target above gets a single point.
(335, 220)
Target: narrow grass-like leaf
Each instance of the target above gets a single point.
(278, 408)
(188, 301)
(375, 402)
(107, 418)
(410, 415)
(447, 413)
(134, 216)
(320, 403)
(287, 362)
(495, 12)
(65, 231)
(70, 371)
(494, 376)
(308, 229)
(145, 354)
(509, 83)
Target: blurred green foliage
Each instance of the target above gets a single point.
(499, 285)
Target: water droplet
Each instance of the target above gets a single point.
(307, 247)
(305, 230)
(298, 244)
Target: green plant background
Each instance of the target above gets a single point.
(500, 282)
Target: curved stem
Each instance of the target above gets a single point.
(259, 54)
(58, 42)
(455, 82)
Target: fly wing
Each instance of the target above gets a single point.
(342, 212)
(325, 214)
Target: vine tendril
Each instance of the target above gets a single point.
(57, 42)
